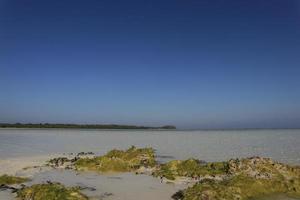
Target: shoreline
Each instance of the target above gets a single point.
(19, 165)
(150, 129)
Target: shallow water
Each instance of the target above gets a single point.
(125, 186)
(281, 145)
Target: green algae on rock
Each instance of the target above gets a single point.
(10, 180)
(119, 161)
(50, 191)
(247, 179)
(191, 168)
(239, 188)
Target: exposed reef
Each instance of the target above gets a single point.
(69, 161)
(247, 179)
(191, 168)
(46, 191)
(50, 191)
(11, 183)
(236, 179)
(10, 180)
(129, 160)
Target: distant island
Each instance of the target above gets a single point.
(81, 126)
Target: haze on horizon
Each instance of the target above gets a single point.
(193, 64)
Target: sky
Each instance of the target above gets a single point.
(189, 63)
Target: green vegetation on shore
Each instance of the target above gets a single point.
(9, 180)
(50, 191)
(81, 126)
(119, 160)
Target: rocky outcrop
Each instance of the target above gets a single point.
(191, 168)
(68, 162)
(12, 183)
(10, 180)
(236, 179)
(247, 179)
(129, 160)
(50, 191)
(134, 159)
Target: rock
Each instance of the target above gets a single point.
(116, 160)
(85, 153)
(178, 195)
(7, 187)
(50, 191)
(59, 162)
(247, 178)
(10, 180)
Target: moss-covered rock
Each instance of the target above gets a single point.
(247, 179)
(258, 167)
(191, 168)
(50, 191)
(240, 188)
(119, 160)
(9, 180)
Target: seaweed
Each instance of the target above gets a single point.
(119, 160)
(50, 191)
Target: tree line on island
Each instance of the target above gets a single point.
(81, 126)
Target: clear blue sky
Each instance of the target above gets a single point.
(193, 64)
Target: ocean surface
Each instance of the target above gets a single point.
(213, 145)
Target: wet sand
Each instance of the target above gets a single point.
(15, 166)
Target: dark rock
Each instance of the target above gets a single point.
(7, 187)
(57, 162)
(178, 195)
(85, 153)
